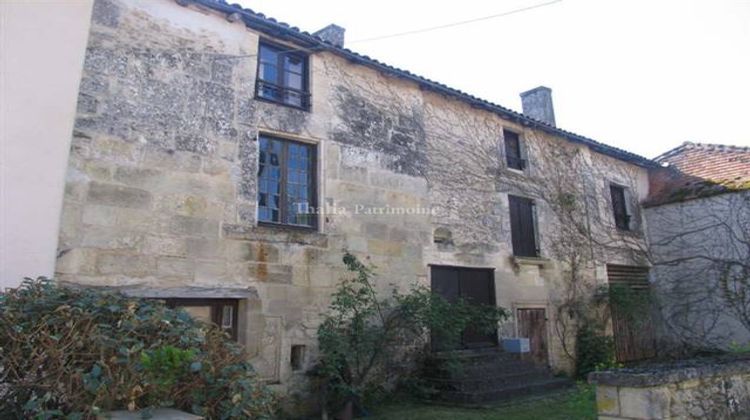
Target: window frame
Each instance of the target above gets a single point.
(283, 183)
(217, 306)
(521, 163)
(625, 222)
(534, 235)
(305, 95)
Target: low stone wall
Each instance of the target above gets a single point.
(711, 388)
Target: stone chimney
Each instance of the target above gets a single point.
(333, 34)
(537, 104)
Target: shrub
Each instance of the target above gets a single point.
(76, 352)
(594, 351)
(368, 343)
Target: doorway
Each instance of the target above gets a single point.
(532, 324)
(474, 285)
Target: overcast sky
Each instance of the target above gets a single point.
(637, 74)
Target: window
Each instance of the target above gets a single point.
(619, 207)
(282, 76)
(222, 312)
(297, 358)
(523, 227)
(513, 155)
(286, 186)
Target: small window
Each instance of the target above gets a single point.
(222, 312)
(620, 207)
(286, 182)
(297, 358)
(523, 227)
(513, 154)
(282, 76)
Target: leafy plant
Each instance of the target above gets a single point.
(631, 303)
(594, 351)
(76, 352)
(367, 343)
(736, 347)
(164, 366)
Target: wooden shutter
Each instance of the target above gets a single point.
(619, 207)
(633, 340)
(523, 234)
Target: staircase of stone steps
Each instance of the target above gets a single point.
(486, 375)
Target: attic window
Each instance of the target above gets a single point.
(513, 154)
(282, 76)
(620, 207)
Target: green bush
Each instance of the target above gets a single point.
(594, 351)
(368, 343)
(75, 352)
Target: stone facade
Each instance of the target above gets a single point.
(162, 180)
(698, 390)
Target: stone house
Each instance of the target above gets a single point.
(222, 160)
(698, 214)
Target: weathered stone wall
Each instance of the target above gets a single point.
(693, 243)
(161, 183)
(701, 390)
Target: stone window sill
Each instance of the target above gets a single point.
(275, 234)
(537, 261)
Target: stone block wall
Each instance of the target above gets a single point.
(691, 390)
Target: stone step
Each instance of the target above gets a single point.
(505, 392)
(471, 356)
(488, 369)
(487, 383)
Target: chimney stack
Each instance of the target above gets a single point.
(537, 104)
(333, 34)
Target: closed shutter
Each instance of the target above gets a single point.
(633, 340)
(523, 235)
(635, 277)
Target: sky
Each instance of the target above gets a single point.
(641, 75)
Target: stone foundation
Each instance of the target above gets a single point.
(696, 389)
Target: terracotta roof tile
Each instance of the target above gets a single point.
(695, 170)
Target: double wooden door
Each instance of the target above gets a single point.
(475, 286)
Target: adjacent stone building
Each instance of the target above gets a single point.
(698, 215)
(223, 161)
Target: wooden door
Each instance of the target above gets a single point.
(473, 285)
(634, 334)
(532, 324)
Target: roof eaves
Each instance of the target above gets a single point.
(284, 30)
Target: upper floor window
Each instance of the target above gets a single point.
(620, 207)
(286, 182)
(523, 227)
(282, 76)
(513, 154)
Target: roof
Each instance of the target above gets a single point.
(282, 30)
(697, 170)
(716, 162)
